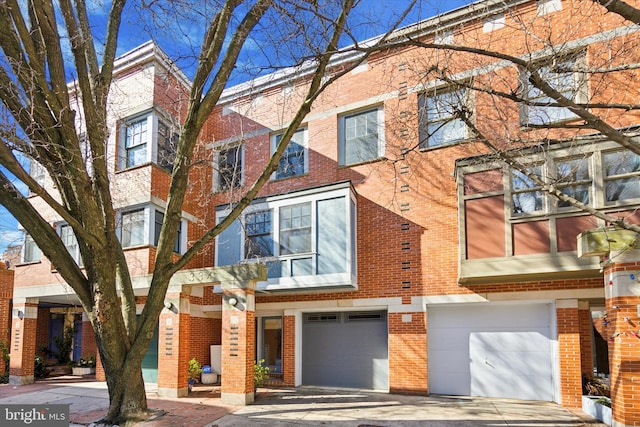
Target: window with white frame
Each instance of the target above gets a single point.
(133, 228)
(440, 123)
(621, 176)
(563, 76)
(361, 136)
(136, 143)
(145, 139)
(548, 6)
(70, 242)
(311, 233)
(295, 159)
(229, 168)
(30, 251)
(37, 172)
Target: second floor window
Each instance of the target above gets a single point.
(361, 137)
(229, 168)
(71, 243)
(621, 176)
(259, 242)
(573, 178)
(526, 194)
(145, 139)
(439, 121)
(133, 228)
(30, 251)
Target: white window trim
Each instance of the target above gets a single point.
(77, 257)
(548, 6)
(149, 226)
(312, 196)
(305, 144)
(580, 81)
(23, 250)
(216, 174)
(380, 130)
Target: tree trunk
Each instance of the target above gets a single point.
(127, 396)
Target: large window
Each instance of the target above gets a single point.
(133, 228)
(622, 176)
(310, 233)
(70, 242)
(157, 226)
(259, 242)
(526, 194)
(361, 137)
(439, 121)
(564, 78)
(229, 168)
(30, 251)
(147, 139)
(294, 161)
(573, 178)
(136, 142)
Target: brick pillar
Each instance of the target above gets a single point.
(586, 343)
(6, 293)
(23, 341)
(88, 338)
(289, 349)
(622, 292)
(174, 346)
(408, 352)
(569, 353)
(238, 283)
(100, 374)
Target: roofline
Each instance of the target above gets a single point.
(477, 10)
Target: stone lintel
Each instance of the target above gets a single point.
(237, 399)
(600, 241)
(236, 274)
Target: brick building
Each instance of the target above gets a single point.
(401, 254)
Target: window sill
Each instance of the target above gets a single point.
(27, 263)
(366, 162)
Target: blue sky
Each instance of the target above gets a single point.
(176, 37)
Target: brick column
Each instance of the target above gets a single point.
(408, 352)
(569, 353)
(622, 291)
(586, 344)
(289, 348)
(238, 330)
(23, 341)
(6, 293)
(174, 345)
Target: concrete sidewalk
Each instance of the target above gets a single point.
(301, 407)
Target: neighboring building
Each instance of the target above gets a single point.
(401, 254)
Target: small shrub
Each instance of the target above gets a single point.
(194, 369)
(40, 370)
(260, 373)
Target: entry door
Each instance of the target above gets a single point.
(150, 361)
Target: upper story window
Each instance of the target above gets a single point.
(136, 228)
(30, 251)
(229, 170)
(621, 176)
(573, 178)
(37, 172)
(548, 6)
(295, 159)
(439, 120)
(147, 139)
(305, 237)
(69, 240)
(561, 75)
(526, 194)
(361, 137)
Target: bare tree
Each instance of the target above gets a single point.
(44, 111)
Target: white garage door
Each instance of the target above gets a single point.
(492, 351)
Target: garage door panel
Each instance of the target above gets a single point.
(347, 352)
(504, 351)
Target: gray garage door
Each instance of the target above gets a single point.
(493, 351)
(347, 349)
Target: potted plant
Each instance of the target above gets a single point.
(596, 401)
(194, 371)
(86, 365)
(260, 374)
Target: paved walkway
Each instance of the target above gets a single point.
(88, 402)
